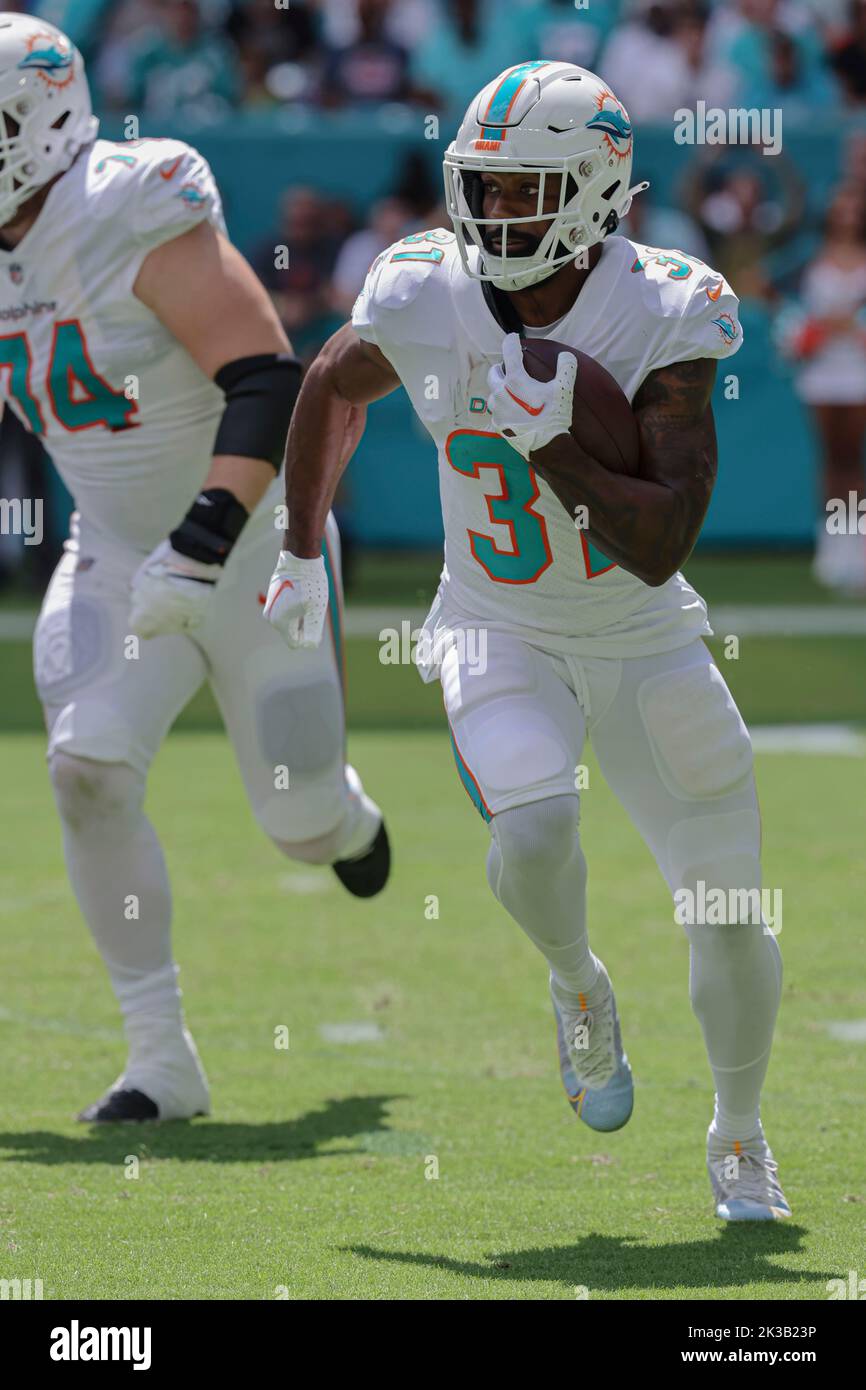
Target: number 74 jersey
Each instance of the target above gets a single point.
(514, 559)
(126, 415)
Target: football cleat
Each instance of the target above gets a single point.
(367, 873)
(120, 1105)
(605, 1105)
(743, 1179)
(163, 1078)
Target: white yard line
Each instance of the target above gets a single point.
(361, 1032)
(789, 620)
(821, 739)
(745, 620)
(855, 1031)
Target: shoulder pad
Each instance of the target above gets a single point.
(164, 187)
(698, 301)
(397, 278)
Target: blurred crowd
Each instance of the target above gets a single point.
(798, 260)
(202, 60)
(164, 58)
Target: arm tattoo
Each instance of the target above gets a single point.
(648, 524)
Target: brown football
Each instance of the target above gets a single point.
(603, 422)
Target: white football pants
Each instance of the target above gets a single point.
(673, 748)
(109, 701)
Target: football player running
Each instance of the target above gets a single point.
(590, 632)
(143, 351)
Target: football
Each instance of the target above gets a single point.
(603, 422)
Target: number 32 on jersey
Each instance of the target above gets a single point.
(528, 552)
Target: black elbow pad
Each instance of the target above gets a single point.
(260, 396)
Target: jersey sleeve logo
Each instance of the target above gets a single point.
(169, 169)
(727, 328)
(714, 292)
(192, 195)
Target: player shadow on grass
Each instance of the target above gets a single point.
(305, 1136)
(733, 1255)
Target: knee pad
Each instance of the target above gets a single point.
(539, 837)
(70, 646)
(90, 793)
(508, 723)
(302, 727)
(699, 743)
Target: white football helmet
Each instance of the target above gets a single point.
(45, 111)
(542, 118)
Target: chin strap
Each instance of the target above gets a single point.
(501, 308)
(638, 188)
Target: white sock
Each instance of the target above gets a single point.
(735, 985)
(537, 871)
(118, 874)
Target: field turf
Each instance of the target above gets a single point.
(417, 1044)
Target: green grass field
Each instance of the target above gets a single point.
(314, 1176)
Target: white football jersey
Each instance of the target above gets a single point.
(126, 415)
(514, 559)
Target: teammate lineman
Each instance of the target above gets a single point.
(140, 347)
(590, 632)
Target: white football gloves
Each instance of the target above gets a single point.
(297, 599)
(530, 413)
(170, 592)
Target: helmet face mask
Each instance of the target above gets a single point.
(532, 112)
(45, 110)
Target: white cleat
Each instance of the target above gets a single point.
(743, 1179)
(589, 1034)
(163, 1080)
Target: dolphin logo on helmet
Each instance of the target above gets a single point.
(45, 111)
(50, 59)
(613, 123)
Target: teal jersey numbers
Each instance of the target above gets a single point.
(79, 397)
(519, 551)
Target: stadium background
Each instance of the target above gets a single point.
(325, 124)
